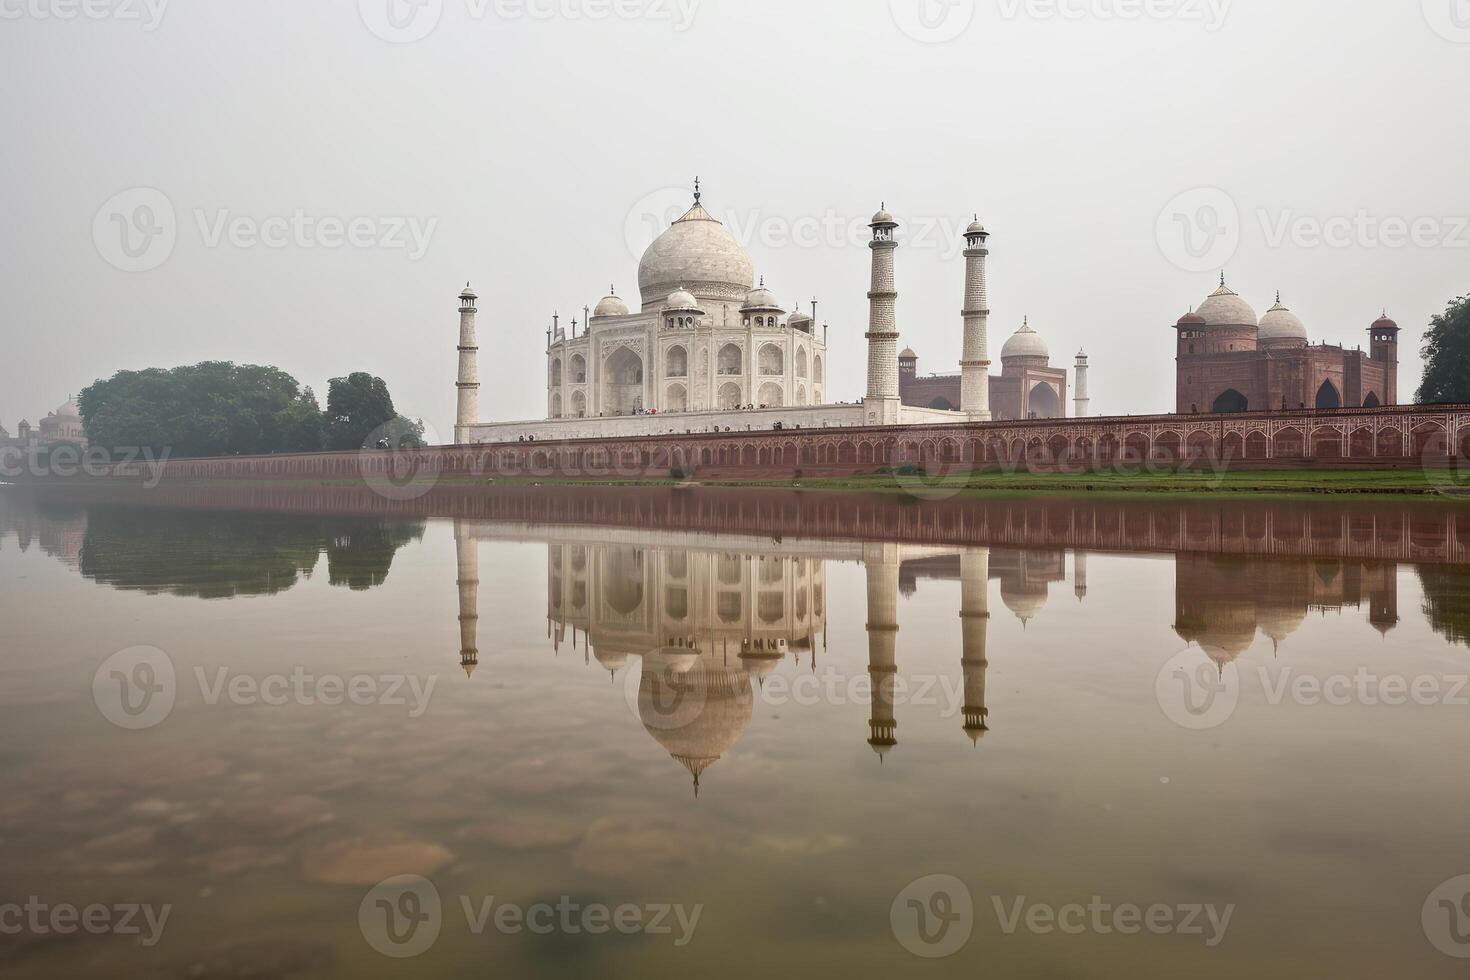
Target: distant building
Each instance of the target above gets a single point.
(62, 426)
(1230, 361)
(1028, 387)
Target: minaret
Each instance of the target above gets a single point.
(975, 365)
(1082, 400)
(882, 568)
(882, 401)
(1079, 574)
(469, 369)
(975, 623)
(467, 551)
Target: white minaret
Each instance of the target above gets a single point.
(975, 366)
(469, 368)
(882, 402)
(1080, 386)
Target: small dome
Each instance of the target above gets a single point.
(884, 217)
(799, 317)
(1384, 323)
(1225, 308)
(611, 305)
(468, 293)
(908, 355)
(1279, 323)
(1191, 319)
(762, 300)
(68, 409)
(976, 228)
(682, 299)
(1025, 343)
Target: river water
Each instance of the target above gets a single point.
(660, 733)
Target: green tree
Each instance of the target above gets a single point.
(1447, 356)
(360, 415)
(215, 408)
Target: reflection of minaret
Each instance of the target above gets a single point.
(882, 567)
(1079, 574)
(468, 552)
(1383, 597)
(975, 621)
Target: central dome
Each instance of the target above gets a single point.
(1225, 308)
(697, 253)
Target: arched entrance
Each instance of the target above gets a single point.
(1328, 396)
(1371, 401)
(729, 397)
(677, 399)
(622, 386)
(1231, 402)
(770, 395)
(943, 404)
(1043, 402)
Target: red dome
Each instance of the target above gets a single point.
(1384, 323)
(1192, 319)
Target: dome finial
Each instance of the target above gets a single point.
(1222, 277)
(697, 193)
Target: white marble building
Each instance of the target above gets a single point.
(711, 348)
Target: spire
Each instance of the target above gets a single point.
(1222, 277)
(697, 193)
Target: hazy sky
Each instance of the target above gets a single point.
(1320, 148)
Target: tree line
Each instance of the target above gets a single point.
(218, 408)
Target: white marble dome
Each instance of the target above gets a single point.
(1279, 323)
(611, 305)
(884, 216)
(1225, 308)
(696, 250)
(762, 299)
(1025, 343)
(682, 299)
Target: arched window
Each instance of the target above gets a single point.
(801, 362)
(770, 395)
(1230, 402)
(578, 370)
(579, 405)
(817, 369)
(676, 363)
(1371, 401)
(556, 406)
(556, 373)
(729, 360)
(677, 399)
(1328, 397)
(772, 360)
(729, 397)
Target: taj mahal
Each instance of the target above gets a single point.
(712, 349)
